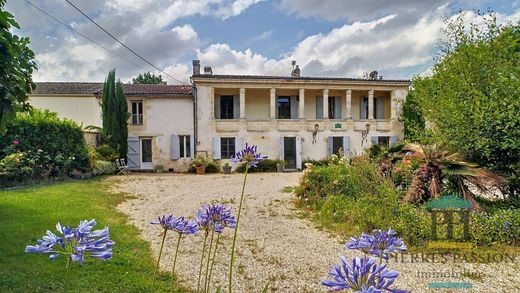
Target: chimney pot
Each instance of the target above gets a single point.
(196, 67)
(208, 70)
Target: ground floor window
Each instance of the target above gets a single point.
(184, 146)
(227, 147)
(337, 144)
(383, 140)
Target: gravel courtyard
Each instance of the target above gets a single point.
(274, 242)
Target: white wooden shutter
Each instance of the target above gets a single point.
(282, 157)
(298, 153)
(337, 107)
(374, 140)
(236, 107)
(133, 156)
(239, 144)
(175, 147)
(330, 146)
(393, 140)
(294, 107)
(217, 107)
(319, 107)
(346, 145)
(380, 107)
(192, 146)
(216, 148)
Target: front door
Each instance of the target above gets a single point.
(289, 152)
(146, 153)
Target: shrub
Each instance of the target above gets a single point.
(38, 145)
(316, 163)
(498, 226)
(266, 165)
(106, 153)
(104, 167)
(211, 167)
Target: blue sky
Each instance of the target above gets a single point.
(325, 37)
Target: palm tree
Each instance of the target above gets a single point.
(437, 163)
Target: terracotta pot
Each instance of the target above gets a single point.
(201, 170)
(226, 170)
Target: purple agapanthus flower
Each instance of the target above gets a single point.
(75, 242)
(363, 274)
(248, 155)
(164, 221)
(215, 217)
(380, 243)
(183, 226)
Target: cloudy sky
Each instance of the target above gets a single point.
(326, 37)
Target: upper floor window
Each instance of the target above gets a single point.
(184, 146)
(227, 147)
(137, 112)
(284, 107)
(226, 107)
(363, 107)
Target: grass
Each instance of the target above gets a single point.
(26, 214)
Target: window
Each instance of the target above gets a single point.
(363, 108)
(137, 112)
(227, 147)
(332, 107)
(337, 144)
(284, 107)
(184, 146)
(226, 107)
(383, 140)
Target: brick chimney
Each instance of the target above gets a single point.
(196, 67)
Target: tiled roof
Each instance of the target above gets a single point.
(272, 77)
(96, 88)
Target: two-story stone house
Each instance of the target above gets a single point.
(294, 118)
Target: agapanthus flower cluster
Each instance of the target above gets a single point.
(164, 221)
(363, 274)
(380, 243)
(248, 155)
(215, 217)
(76, 242)
(184, 226)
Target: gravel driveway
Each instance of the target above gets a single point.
(274, 242)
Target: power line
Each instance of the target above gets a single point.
(87, 38)
(117, 40)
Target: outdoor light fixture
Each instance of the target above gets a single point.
(315, 132)
(364, 133)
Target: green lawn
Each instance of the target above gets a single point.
(26, 214)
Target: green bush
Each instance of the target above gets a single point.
(263, 166)
(211, 167)
(38, 146)
(106, 153)
(498, 226)
(316, 163)
(104, 167)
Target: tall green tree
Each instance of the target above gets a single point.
(114, 112)
(148, 78)
(472, 98)
(16, 68)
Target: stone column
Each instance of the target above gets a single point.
(273, 103)
(325, 104)
(242, 103)
(348, 104)
(301, 104)
(371, 105)
(393, 106)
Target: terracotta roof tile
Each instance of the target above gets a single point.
(96, 88)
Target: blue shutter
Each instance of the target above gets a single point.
(319, 107)
(374, 140)
(217, 107)
(282, 157)
(216, 148)
(133, 159)
(346, 145)
(363, 104)
(236, 107)
(294, 107)
(192, 146)
(239, 144)
(298, 153)
(393, 140)
(337, 107)
(330, 147)
(175, 147)
(380, 108)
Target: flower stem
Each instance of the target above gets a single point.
(67, 268)
(212, 262)
(230, 281)
(175, 260)
(209, 258)
(202, 260)
(158, 260)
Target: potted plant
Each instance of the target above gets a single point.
(159, 168)
(200, 162)
(280, 164)
(226, 168)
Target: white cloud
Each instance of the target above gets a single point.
(185, 32)
(261, 37)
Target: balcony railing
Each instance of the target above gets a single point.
(137, 119)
